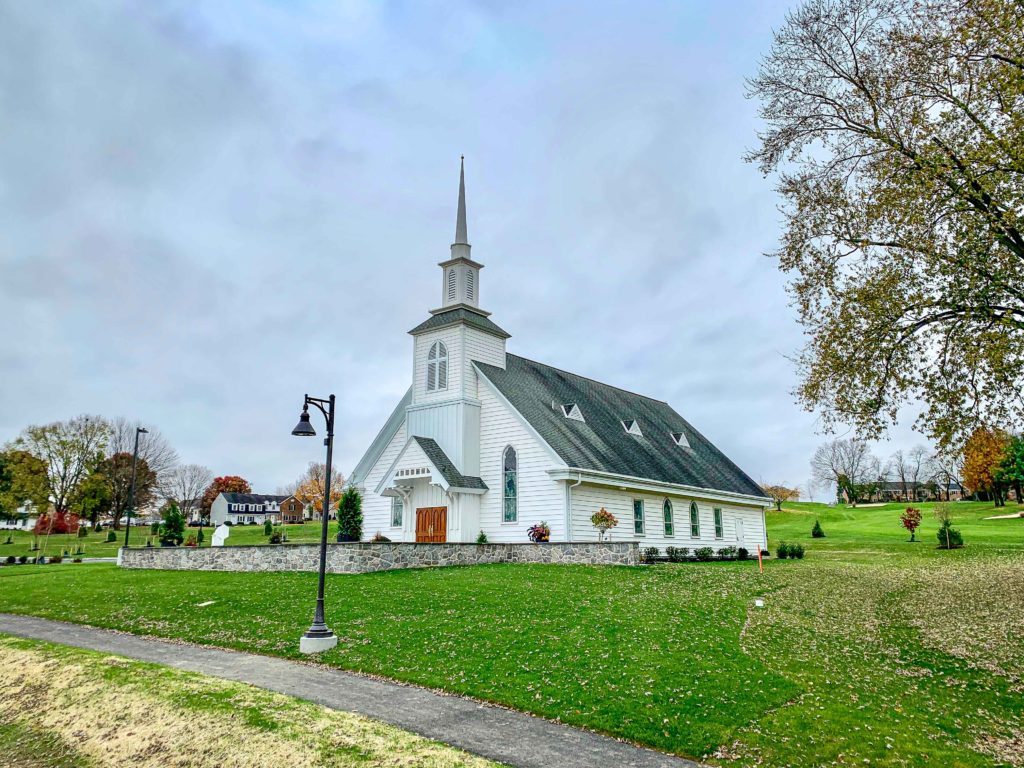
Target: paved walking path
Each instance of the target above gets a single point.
(492, 732)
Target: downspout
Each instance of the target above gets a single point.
(568, 506)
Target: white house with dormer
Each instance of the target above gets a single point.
(487, 441)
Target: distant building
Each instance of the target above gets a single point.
(246, 508)
(292, 510)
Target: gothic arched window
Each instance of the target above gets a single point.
(437, 367)
(510, 485)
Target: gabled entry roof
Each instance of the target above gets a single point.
(600, 443)
(444, 465)
(421, 451)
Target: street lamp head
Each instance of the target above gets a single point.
(142, 430)
(304, 428)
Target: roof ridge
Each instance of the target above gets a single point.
(588, 378)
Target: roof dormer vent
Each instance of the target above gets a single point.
(631, 426)
(572, 411)
(680, 439)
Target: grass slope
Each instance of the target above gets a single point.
(69, 707)
(873, 650)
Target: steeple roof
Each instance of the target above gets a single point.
(460, 218)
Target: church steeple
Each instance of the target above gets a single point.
(461, 275)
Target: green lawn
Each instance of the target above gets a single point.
(872, 650)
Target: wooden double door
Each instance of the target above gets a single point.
(432, 525)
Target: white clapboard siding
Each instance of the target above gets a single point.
(451, 338)
(377, 509)
(540, 497)
(587, 499)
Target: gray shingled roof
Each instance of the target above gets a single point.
(601, 443)
(253, 498)
(461, 314)
(452, 476)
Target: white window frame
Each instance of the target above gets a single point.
(719, 523)
(504, 487)
(668, 518)
(642, 519)
(437, 362)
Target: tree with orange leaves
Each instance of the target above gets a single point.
(983, 453)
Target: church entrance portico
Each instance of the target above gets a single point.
(432, 525)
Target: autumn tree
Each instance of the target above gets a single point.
(224, 484)
(911, 520)
(23, 480)
(70, 450)
(156, 459)
(983, 455)
(309, 489)
(896, 129)
(185, 485)
(780, 494)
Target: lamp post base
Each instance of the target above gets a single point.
(317, 644)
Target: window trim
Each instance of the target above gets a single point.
(694, 520)
(504, 486)
(642, 520)
(668, 518)
(397, 502)
(719, 523)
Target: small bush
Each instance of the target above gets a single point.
(57, 559)
(268, 527)
(111, 536)
(649, 554)
(23, 559)
(228, 523)
(40, 560)
(726, 553)
(782, 551)
(796, 551)
(277, 537)
(154, 528)
(677, 554)
(816, 532)
(11, 560)
(77, 560)
(703, 554)
(82, 531)
(949, 537)
(481, 538)
(99, 527)
(742, 554)
(380, 537)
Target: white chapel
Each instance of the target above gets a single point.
(486, 441)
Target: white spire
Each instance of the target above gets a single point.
(460, 219)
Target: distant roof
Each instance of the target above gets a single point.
(252, 498)
(459, 315)
(601, 443)
(444, 465)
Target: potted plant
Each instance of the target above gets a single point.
(604, 521)
(539, 533)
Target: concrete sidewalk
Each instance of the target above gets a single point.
(492, 732)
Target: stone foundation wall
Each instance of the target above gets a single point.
(369, 557)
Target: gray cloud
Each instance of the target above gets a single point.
(206, 211)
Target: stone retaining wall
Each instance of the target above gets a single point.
(368, 557)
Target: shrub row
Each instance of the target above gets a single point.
(23, 559)
(700, 554)
(795, 551)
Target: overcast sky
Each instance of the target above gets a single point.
(207, 210)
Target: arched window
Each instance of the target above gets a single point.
(694, 521)
(666, 510)
(510, 485)
(437, 367)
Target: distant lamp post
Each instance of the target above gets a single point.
(131, 489)
(319, 636)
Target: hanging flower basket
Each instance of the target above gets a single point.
(539, 533)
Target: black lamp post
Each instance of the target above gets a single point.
(131, 488)
(319, 636)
